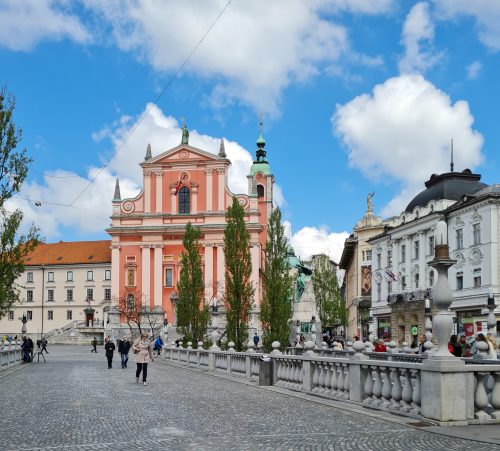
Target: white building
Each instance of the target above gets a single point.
(63, 291)
(402, 277)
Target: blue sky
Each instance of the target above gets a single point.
(357, 96)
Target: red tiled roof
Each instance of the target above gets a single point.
(69, 253)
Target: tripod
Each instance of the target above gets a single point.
(39, 353)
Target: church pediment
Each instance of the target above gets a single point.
(182, 153)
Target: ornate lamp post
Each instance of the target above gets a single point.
(214, 310)
(428, 325)
(442, 322)
(492, 320)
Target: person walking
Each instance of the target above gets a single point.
(143, 355)
(123, 349)
(44, 343)
(256, 340)
(465, 346)
(109, 347)
(380, 346)
(94, 345)
(26, 350)
(32, 348)
(454, 346)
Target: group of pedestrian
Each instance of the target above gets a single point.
(462, 348)
(141, 349)
(27, 348)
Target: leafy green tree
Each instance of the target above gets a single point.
(192, 313)
(276, 308)
(14, 247)
(329, 303)
(239, 290)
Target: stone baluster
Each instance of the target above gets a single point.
(480, 397)
(230, 346)
(405, 347)
(416, 398)
(368, 347)
(333, 381)
(377, 386)
(368, 385)
(327, 368)
(386, 388)
(190, 345)
(340, 381)
(495, 395)
(323, 377)
(349, 346)
(316, 377)
(287, 373)
(397, 389)
(345, 366)
(406, 396)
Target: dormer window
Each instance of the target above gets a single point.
(184, 200)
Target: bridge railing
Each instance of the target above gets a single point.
(407, 384)
(10, 354)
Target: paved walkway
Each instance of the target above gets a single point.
(73, 402)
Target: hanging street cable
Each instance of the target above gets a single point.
(143, 116)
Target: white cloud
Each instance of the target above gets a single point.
(485, 12)
(473, 70)
(90, 213)
(402, 131)
(24, 23)
(417, 37)
(253, 52)
(316, 240)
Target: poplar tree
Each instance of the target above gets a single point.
(192, 313)
(329, 303)
(276, 307)
(14, 247)
(239, 290)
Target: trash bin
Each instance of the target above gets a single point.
(265, 370)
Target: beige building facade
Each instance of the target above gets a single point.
(356, 261)
(64, 289)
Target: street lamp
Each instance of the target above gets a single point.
(491, 322)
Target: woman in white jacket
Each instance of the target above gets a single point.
(143, 355)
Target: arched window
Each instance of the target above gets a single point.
(417, 280)
(260, 191)
(184, 200)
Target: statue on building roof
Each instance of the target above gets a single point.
(369, 202)
(185, 134)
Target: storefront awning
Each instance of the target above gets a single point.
(467, 304)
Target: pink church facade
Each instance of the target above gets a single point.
(181, 185)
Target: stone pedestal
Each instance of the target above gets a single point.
(446, 391)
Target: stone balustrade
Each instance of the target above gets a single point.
(393, 382)
(486, 392)
(10, 354)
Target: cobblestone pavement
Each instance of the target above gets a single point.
(73, 402)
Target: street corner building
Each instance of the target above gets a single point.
(63, 293)
(180, 185)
